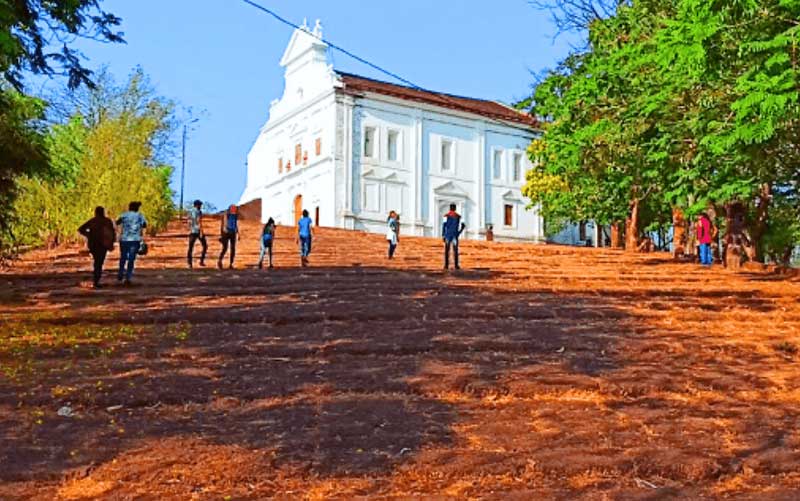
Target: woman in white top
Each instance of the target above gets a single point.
(392, 227)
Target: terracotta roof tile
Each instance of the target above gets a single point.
(357, 85)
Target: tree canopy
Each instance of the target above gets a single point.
(37, 37)
(676, 107)
(109, 152)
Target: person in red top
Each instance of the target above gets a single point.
(704, 239)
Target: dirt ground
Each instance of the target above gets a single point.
(537, 372)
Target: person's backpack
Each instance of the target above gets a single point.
(109, 237)
(231, 225)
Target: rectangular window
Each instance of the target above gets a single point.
(447, 155)
(497, 164)
(391, 145)
(369, 142)
(318, 146)
(298, 154)
(508, 215)
(517, 168)
(582, 231)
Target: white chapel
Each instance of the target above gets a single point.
(349, 149)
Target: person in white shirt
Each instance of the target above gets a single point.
(392, 229)
(196, 232)
(132, 224)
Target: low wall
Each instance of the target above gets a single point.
(251, 211)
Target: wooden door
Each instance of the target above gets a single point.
(298, 208)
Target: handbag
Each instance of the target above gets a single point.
(143, 249)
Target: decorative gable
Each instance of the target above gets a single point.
(450, 189)
(513, 196)
(304, 41)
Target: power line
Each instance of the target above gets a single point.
(334, 46)
(331, 45)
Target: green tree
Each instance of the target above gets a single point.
(36, 37)
(109, 158)
(680, 106)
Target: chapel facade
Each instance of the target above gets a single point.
(349, 149)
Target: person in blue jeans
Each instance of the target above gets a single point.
(131, 223)
(304, 236)
(451, 230)
(267, 239)
(228, 234)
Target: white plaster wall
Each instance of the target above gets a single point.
(570, 235)
(526, 224)
(278, 140)
(356, 192)
(427, 189)
(383, 184)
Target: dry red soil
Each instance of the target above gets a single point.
(538, 372)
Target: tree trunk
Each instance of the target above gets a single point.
(679, 234)
(759, 226)
(736, 240)
(616, 240)
(632, 228)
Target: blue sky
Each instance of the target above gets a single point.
(221, 56)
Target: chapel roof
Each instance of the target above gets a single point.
(357, 85)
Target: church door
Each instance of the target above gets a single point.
(298, 208)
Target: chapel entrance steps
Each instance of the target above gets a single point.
(347, 248)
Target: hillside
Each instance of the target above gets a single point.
(536, 372)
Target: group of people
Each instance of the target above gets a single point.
(229, 235)
(101, 235)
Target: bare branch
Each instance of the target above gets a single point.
(577, 15)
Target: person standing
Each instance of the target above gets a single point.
(304, 236)
(704, 239)
(392, 228)
(132, 224)
(267, 238)
(196, 232)
(100, 236)
(229, 234)
(451, 231)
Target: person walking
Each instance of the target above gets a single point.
(267, 238)
(131, 223)
(100, 235)
(392, 228)
(704, 239)
(229, 234)
(451, 231)
(196, 232)
(304, 237)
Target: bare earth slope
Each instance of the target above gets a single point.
(535, 373)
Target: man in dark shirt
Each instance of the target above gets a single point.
(451, 230)
(100, 236)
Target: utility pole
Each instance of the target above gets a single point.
(183, 171)
(183, 164)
